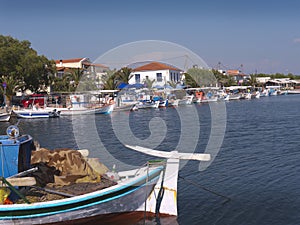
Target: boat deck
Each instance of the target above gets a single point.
(51, 192)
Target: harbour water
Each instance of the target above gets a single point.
(257, 166)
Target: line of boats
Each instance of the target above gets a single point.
(140, 99)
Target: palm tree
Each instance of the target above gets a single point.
(123, 75)
(189, 81)
(148, 83)
(12, 85)
(108, 80)
(172, 84)
(230, 82)
(73, 76)
(252, 80)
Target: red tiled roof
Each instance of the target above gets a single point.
(155, 66)
(68, 60)
(233, 72)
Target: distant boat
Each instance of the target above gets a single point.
(69, 111)
(4, 117)
(36, 113)
(173, 102)
(125, 107)
(186, 100)
(295, 91)
(147, 104)
(233, 97)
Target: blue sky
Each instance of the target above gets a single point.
(263, 36)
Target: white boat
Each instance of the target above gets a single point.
(173, 102)
(137, 190)
(186, 100)
(80, 104)
(294, 91)
(148, 105)
(36, 113)
(105, 109)
(4, 117)
(257, 94)
(163, 103)
(248, 96)
(125, 107)
(211, 99)
(230, 97)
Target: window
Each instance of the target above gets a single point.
(159, 77)
(137, 78)
(60, 74)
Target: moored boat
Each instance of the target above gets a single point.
(147, 104)
(186, 100)
(69, 111)
(82, 104)
(36, 113)
(130, 191)
(5, 117)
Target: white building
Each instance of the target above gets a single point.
(263, 80)
(160, 72)
(96, 71)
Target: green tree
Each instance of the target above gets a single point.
(172, 84)
(21, 63)
(108, 80)
(148, 83)
(123, 75)
(197, 77)
(230, 82)
(189, 81)
(12, 86)
(60, 85)
(73, 77)
(252, 80)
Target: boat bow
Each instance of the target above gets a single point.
(163, 199)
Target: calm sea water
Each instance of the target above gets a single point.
(257, 165)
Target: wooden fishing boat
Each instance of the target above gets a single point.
(151, 188)
(70, 111)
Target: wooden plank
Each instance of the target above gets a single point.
(172, 154)
(21, 181)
